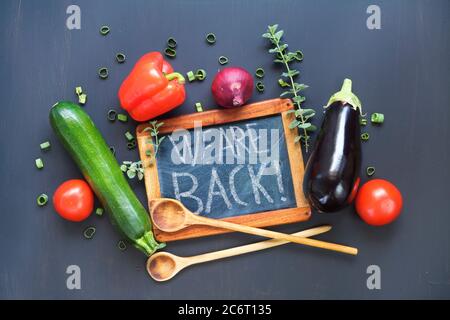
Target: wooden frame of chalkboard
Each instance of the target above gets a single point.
(300, 212)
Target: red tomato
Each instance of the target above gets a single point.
(378, 202)
(74, 200)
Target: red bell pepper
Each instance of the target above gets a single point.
(151, 88)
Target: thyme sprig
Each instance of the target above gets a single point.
(285, 57)
(154, 138)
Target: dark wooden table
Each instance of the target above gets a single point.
(401, 70)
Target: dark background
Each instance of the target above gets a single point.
(401, 70)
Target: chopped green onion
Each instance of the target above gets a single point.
(104, 30)
(377, 118)
(148, 153)
(211, 38)
(129, 136)
(124, 168)
(365, 136)
(283, 83)
(190, 75)
(260, 86)
(121, 245)
(172, 43)
(131, 145)
(39, 163)
(112, 115)
(45, 146)
(259, 73)
(82, 98)
(99, 211)
(170, 52)
(122, 117)
(78, 91)
(103, 73)
(363, 121)
(89, 232)
(200, 74)
(298, 55)
(120, 57)
(42, 199)
(223, 60)
(370, 171)
(198, 107)
(113, 150)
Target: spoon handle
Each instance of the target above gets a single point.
(252, 247)
(272, 234)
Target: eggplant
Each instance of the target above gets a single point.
(332, 171)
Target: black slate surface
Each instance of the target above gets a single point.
(401, 70)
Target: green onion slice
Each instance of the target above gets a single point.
(363, 121)
(370, 171)
(99, 211)
(200, 74)
(121, 245)
(112, 114)
(260, 86)
(120, 57)
(365, 136)
(103, 73)
(172, 43)
(170, 52)
(198, 107)
(223, 60)
(89, 232)
(190, 75)
(259, 73)
(122, 117)
(211, 38)
(131, 145)
(42, 200)
(377, 118)
(45, 145)
(129, 136)
(39, 163)
(78, 91)
(104, 30)
(82, 98)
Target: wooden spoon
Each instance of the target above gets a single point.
(170, 215)
(163, 266)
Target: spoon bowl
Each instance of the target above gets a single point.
(168, 215)
(163, 266)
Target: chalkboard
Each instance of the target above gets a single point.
(241, 165)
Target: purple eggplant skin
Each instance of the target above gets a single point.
(333, 169)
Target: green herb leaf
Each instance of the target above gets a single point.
(294, 123)
(305, 125)
(131, 174)
(273, 28)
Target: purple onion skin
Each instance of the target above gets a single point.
(232, 87)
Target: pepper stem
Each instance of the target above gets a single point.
(175, 75)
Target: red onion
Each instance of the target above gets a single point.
(232, 87)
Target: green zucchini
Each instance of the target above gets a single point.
(89, 150)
